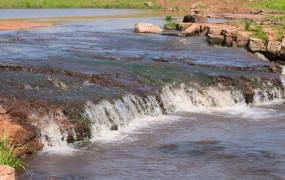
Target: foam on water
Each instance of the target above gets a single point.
(116, 119)
(111, 119)
(283, 75)
(52, 136)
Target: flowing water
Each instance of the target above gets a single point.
(160, 107)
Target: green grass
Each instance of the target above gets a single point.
(278, 5)
(170, 25)
(6, 154)
(140, 4)
(261, 34)
(248, 25)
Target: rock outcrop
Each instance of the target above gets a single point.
(195, 18)
(147, 28)
(256, 45)
(7, 173)
(20, 135)
(192, 29)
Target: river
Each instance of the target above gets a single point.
(160, 107)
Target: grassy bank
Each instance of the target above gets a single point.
(77, 4)
(6, 154)
(278, 5)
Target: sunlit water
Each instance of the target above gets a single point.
(232, 141)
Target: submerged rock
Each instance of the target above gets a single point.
(147, 28)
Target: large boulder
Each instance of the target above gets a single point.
(256, 45)
(195, 18)
(7, 173)
(193, 29)
(216, 39)
(147, 28)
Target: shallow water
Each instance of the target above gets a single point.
(210, 134)
(212, 144)
(48, 13)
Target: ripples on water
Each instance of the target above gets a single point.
(231, 141)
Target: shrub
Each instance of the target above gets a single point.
(6, 154)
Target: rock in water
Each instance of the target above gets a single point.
(195, 18)
(7, 173)
(147, 28)
(193, 29)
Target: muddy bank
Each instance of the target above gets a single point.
(18, 25)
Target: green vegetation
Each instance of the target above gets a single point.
(248, 25)
(261, 34)
(77, 4)
(169, 23)
(278, 28)
(278, 5)
(6, 154)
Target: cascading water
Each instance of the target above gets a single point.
(52, 136)
(283, 76)
(116, 115)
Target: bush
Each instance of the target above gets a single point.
(6, 154)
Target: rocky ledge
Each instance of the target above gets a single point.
(223, 34)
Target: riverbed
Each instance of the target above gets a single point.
(162, 107)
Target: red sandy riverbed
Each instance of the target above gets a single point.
(15, 25)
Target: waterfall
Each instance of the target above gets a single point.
(108, 117)
(52, 136)
(118, 114)
(115, 115)
(283, 76)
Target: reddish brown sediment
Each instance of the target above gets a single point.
(16, 25)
